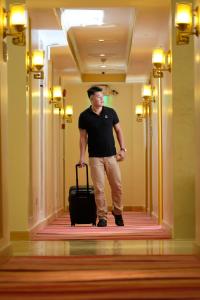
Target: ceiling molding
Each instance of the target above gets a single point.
(92, 3)
(103, 77)
(73, 48)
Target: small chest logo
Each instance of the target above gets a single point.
(106, 116)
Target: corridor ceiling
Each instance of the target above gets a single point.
(130, 33)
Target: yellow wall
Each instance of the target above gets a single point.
(167, 158)
(155, 153)
(133, 168)
(18, 148)
(46, 145)
(183, 140)
(4, 224)
(34, 146)
(197, 133)
(166, 199)
(178, 140)
(167, 151)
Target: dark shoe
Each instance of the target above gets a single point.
(118, 220)
(102, 223)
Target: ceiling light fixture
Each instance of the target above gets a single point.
(102, 55)
(101, 40)
(81, 17)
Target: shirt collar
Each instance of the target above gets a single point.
(102, 111)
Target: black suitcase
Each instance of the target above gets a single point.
(82, 206)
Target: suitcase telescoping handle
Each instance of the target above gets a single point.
(87, 179)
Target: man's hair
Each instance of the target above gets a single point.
(91, 91)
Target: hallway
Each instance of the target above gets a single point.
(51, 53)
(138, 226)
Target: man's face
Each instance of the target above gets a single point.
(97, 99)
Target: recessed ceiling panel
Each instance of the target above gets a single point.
(104, 48)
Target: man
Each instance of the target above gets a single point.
(96, 129)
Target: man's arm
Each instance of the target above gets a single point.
(83, 145)
(120, 138)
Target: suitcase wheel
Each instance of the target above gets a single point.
(94, 224)
(72, 224)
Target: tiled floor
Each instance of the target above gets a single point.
(101, 269)
(107, 247)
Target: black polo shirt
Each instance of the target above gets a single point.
(99, 128)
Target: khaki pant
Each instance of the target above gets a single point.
(98, 167)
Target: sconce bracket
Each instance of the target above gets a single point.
(197, 15)
(68, 119)
(18, 39)
(182, 38)
(139, 118)
(5, 21)
(149, 100)
(51, 101)
(58, 105)
(38, 74)
(157, 73)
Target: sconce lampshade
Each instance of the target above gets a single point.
(139, 110)
(158, 57)
(69, 110)
(183, 17)
(57, 93)
(18, 17)
(38, 59)
(146, 91)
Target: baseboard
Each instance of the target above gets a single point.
(27, 235)
(167, 226)
(164, 223)
(134, 208)
(46, 221)
(19, 235)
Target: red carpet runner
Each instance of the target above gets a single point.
(138, 225)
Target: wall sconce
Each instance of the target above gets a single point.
(36, 63)
(161, 62)
(68, 113)
(139, 111)
(56, 96)
(14, 24)
(187, 22)
(148, 93)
